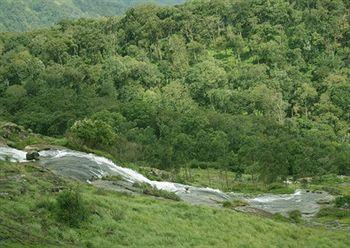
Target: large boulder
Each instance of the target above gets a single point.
(32, 155)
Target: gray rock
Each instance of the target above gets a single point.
(324, 201)
(32, 155)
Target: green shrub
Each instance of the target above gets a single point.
(148, 189)
(278, 188)
(155, 174)
(331, 190)
(92, 133)
(70, 208)
(234, 203)
(279, 217)
(114, 178)
(343, 201)
(334, 212)
(295, 216)
(304, 183)
(47, 204)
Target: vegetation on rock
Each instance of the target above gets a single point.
(148, 189)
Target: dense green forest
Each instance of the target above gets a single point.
(260, 87)
(22, 15)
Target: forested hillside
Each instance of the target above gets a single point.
(257, 87)
(23, 15)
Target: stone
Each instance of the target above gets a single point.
(324, 201)
(32, 155)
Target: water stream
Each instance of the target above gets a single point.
(88, 167)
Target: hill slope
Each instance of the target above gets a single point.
(23, 15)
(256, 87)
(27, 219)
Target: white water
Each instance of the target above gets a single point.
(103, 162)
(87, 167)
(91, 165)
(271, 198)
(13, 155)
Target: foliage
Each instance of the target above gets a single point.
(23, 15)
(19, 137)
(253, 87)
(93, 133)
(295, 216)
(113, 178)
(278, 188)
(333, 184)
(71, 208)
(334, 212)
(234, 204)
(121, 220)
(150, 190)
(343, 201)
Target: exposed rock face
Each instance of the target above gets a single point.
(11, 128)
(32, 155)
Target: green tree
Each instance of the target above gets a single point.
(93, 133)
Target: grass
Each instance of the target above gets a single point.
(18, 137)
(226, 181)
(332, 183)
(150, 190)
(29, 191)
(295, 216)
(330, 215)
(234, 204)
(343, 201)
(70, 208)
(112, 178)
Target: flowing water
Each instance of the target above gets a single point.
(88, 167)
(303, 200)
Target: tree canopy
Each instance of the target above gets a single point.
(23, 15)
(255, 86)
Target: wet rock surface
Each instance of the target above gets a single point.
(32, 155)
(305, 201)
(91, 168)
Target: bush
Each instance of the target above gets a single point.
(304, 183)
(113, 178)
(70, 208)
(148, 189)
(234, 203)
(155, 174)
(295, 216)
(278, 188)
(279, 217)
(343, 201)
(334, 212)
(331, 190)
(92, 133)
(47, 204)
